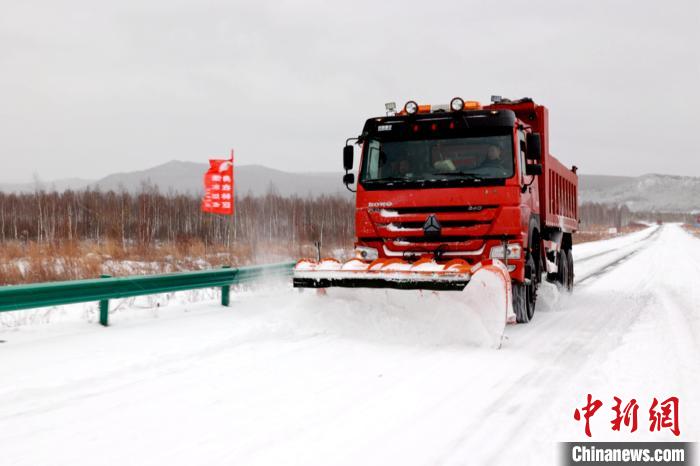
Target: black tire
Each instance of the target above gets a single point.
(564, 271)
(556, 276)
(525, 294)
(570, 286)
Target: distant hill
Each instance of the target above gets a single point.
(56, 185)
(653, 192)
(186, 177)
(663, 193)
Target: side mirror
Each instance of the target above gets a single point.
(534, 146)
(347, 157)
(348, 179)
(534, 169)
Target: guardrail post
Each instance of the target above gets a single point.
(104, 307)
(225, 291)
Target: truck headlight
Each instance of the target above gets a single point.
(411, 107)
(366, 253)
(457, 104)
(513, 251)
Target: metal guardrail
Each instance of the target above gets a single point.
(18, 297)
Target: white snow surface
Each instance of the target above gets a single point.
(355, 376)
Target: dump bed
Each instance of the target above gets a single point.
(558, 195)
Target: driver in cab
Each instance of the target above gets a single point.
(402, 167)
(494, 157)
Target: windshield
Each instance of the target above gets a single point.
(436, 160)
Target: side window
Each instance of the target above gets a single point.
(372, 162)
(521, 152)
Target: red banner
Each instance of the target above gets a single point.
(218, 185)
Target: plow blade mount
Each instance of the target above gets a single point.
(424, 274)
(382, 273)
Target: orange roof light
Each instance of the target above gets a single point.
(472, 105)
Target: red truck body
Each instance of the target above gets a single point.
(476, 219)
(453, 194)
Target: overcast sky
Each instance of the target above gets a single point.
(88, 88)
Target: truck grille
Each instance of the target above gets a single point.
(463, 231)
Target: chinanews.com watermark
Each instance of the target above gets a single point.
(661, 415)
(627, 453)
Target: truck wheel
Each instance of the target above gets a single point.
(525, 294)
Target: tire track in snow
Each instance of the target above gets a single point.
(616, 260)
(613, 249)
(607, 267)
(563, 354)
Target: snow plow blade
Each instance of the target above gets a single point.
(486, 286)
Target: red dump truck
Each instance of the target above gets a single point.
(445, 190)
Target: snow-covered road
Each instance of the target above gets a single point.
(360, 377)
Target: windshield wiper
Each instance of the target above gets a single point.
(470, 176)
(389, 179)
